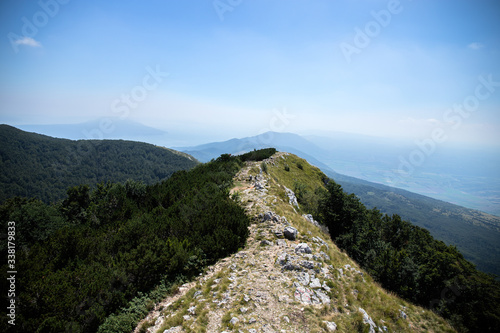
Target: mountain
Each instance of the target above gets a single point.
(290, 276)
(476, 234)
(229, 245)
(35, 165)
(99, 129)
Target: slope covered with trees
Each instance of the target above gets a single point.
(83, 259)
(35, 165)
(407, 260)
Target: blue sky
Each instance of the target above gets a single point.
(234, 68)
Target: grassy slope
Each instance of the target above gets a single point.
(353, 291)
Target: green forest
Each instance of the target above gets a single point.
(40, 166)
(98, 259)
(407, 260)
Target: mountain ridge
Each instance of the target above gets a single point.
(454, 224)
(278, 283)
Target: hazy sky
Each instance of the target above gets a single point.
(235, 68)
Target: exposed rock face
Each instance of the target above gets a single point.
(310, 218)
(274, 283)
(292, 199)
(368, 320)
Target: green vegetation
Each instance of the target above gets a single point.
(258, 155)
(407, 260)
(35, 165)
(101, 256)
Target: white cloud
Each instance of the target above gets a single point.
(475, 46)
(28, 41)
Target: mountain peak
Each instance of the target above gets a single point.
(290, 277)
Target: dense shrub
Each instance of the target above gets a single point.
(88, 256)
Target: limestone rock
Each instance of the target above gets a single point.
(290, 233)
(310, 218)
(330, 326)
(303, 248)
(292, 199)
(303, 295)
(307, 264)
(367, 319)
(315, 283)
(303, 278)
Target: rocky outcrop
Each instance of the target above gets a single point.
(292, 199)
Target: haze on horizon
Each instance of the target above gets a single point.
(232, 68)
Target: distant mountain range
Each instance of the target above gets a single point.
(466, 177)
(103, 128)
(475, 233)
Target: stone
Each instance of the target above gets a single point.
(282, 258)
(252, 330)
(330, 326)
(197, 293)
(368, 320)
(243, 310)
(322, 296)
(285, 318)
(324, 286)
(324, 255)
(292, 199)
(281, 242)
(252, 321)
(307, 264)
(268, 216)
(291, 267)
(266, 242)
(303, 295)
(403, 315)
(310, 218)
(315, 283)
(303, 248)
(234, 321)
(290, 233)
(175, 329)
(303, 278)
(191, 310)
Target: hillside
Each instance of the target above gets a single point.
(475, 233)
(228, 244)
(82, 259)
(35, 165)
(277, 283)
